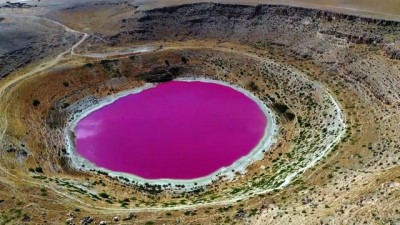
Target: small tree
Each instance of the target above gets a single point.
(184, 60)
(35, 102)
(38, 170)
(103, 195)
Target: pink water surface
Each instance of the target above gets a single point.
(176, 130)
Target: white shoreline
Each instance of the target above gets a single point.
(268, 139)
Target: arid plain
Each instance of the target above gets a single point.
(331, 78)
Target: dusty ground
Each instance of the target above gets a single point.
(23, 40)
(284, 55)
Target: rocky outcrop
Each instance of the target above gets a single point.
(162, 74)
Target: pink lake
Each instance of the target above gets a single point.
(176, 130)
